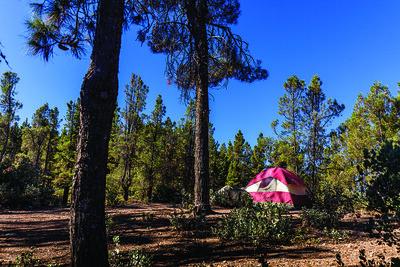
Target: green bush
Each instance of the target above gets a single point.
(113, 192)
(27, 258)
(133, 258)
(384, 166)
(319, 218)
(21, 185)
(331, 203)
(267, 223)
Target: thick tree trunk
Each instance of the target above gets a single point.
(201, 154)
(98, 99)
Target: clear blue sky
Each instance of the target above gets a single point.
(349, 43)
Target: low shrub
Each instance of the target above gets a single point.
(319, 218)
(331, 203)
(383, 189)
(266, 223)
(22, 186)
(27, 258)
(133, 258)
(335, 234)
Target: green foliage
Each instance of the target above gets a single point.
(331, 204)
(21, 185)
(239, 171)
(65, 155)
(261, 154)
(384, 166)
(8, 109)
(133, 258)
(306, 115)
(27, 259)
(267, 223)
(290, 108)
(319, 218)
(335, 234)
(373, 121)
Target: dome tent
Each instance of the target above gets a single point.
(278, 185)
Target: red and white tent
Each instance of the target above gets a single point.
(278, 185)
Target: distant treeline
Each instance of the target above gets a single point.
(151, 157)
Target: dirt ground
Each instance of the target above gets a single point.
(47, 232)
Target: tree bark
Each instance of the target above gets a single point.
(201, 152)
(98, 100)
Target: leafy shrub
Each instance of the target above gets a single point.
(383, 190)
(331, 203)
(110, 224)
(186, 200)
(133, 258)
(266, 223)
(22, 186)
(27, 258)
(334, 234)
(113, 193)
(319, 218)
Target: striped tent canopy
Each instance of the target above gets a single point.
(278, 185)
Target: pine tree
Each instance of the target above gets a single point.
(8, 109)
(196, 60)
(318, 113)
(65, 156)
(135, 102)
(70, 25)
(240, 167)
(290, 105)
(154, 132)
(261, 154)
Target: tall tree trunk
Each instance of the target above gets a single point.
(201, 154)
(98, 99)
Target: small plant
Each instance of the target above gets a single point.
(139, 258)
(268, 223)
(186, 200)
(319, 218)
(335, 234)
(134, 258)
(110, 224)
(27, 258)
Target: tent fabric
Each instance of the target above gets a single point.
(278, 185)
